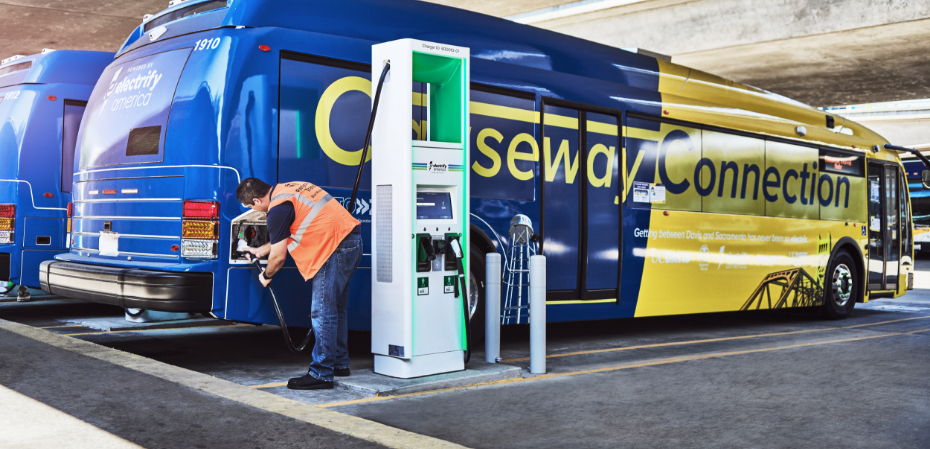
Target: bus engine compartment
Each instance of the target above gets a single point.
(251, 229)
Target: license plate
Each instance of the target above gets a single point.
(917, 246)
(109, 244)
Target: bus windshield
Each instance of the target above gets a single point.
(15, 68)
(131, 103)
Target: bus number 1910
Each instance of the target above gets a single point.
(207, 44)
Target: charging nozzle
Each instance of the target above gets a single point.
(456, 248)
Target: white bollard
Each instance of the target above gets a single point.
(492, 308)
(538, 314)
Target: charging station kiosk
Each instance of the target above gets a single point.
(421, 217)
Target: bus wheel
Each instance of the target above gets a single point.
(476, 296)
(841, 287)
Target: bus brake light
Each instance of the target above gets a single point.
(70, 205)
(208, 210)
(7, 210)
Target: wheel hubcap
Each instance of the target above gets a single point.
(842, 285)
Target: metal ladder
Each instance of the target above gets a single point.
(517, 272)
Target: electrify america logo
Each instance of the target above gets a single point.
(437, 168)
(139, 86)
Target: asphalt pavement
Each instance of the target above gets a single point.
(766, 379)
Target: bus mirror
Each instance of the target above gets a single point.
(925, 178)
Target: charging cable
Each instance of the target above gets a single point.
(457, 252)
(277, 309)
(371, 126)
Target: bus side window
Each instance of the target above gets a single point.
(325, 108)
(504, 148)
(739, 166)
(74, 111)
(676, 159)
(845, 185)
(790, 180)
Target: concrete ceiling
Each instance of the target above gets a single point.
(822, 52)
(31, 25)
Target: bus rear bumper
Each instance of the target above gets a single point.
(161, 291)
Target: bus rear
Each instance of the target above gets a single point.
(42, 101)
(171, 128)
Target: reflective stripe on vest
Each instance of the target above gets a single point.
(324, 221)
(315, 207)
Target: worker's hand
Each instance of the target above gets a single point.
(261, 278)
(259, 252)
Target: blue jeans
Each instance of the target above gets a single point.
(328, 310)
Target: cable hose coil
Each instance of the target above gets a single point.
(277, 308)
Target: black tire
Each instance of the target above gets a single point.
(842, 287)
(135, 313)
(477, 318)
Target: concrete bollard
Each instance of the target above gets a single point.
(538, 314)
(492, 308)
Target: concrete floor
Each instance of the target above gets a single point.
(766, 379)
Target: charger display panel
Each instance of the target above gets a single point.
(434, 206)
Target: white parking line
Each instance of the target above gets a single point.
(28, 423)
(339, 422)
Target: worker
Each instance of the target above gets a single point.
(325, 242)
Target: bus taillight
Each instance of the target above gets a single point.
(204, 210)
(200, 229)
(7, 222)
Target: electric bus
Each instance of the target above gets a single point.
(920, 203)
(42, 100)
(656, 189)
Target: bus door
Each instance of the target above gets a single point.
(580, 212)
(884, 226)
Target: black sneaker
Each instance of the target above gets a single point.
(308, 382)
(341, 372)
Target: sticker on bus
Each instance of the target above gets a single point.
(656, 194)
(640, 192)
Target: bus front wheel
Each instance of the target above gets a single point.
(841, 287)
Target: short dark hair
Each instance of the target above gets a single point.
(251, 188)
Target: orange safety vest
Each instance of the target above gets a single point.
(320, 224)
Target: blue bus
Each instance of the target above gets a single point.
(920, 204)
(42, 100)
(614, 154)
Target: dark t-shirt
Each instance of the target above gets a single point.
(279, 219)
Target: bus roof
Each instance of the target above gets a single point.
(55, 66)
(501, 40)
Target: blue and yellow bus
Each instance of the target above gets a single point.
(657, 189)
(42, 100)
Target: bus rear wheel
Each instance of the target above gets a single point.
(841, 287)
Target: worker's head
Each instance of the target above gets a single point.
(254, 194)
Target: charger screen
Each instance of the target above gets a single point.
(434, 206)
